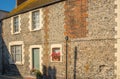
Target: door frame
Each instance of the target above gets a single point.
(40, 56)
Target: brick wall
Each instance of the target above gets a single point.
(75, 20)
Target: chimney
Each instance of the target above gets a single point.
(18, 2)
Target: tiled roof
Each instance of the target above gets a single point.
(30, 5)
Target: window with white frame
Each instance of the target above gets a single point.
(16, 24)
(56, 53)
(16, 53)
(35, 20)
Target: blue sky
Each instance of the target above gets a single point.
(7, 5)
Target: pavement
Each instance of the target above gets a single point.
(9, 77)
(15, 77)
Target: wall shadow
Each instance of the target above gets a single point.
(5, 67)
(49, 72)
(8, 68)
(0, 46)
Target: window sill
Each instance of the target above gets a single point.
(16, 33)
(17, 63)
(35, 30)
(56, 61)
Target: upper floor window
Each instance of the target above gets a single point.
(35, 20)
(16, 24)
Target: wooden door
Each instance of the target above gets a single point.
(36, 58)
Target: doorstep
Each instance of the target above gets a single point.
(29, 77)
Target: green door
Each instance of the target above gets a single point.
(36, 59)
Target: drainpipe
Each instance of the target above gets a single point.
(66, 38)
(75, 61)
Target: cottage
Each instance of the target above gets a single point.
(34, 38)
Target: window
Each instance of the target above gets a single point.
(56, 53)
(16, 53)
(16, 49)
(35, 20)
(16, 24)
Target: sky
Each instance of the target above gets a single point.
(7, 5)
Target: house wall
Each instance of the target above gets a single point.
(54, 34)
(50, 33)
(28, 37)
(95, 47)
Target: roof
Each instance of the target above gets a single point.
(4, 11)
(30, 5)
(3, 14)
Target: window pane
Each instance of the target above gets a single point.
(18, 58)
(16, 24)
(35, 20)
(56, 50)
(18, 49)
(13, 53)
(13, 57)
(12, 49)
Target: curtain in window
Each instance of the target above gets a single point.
(16, 24)
(16, 52)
